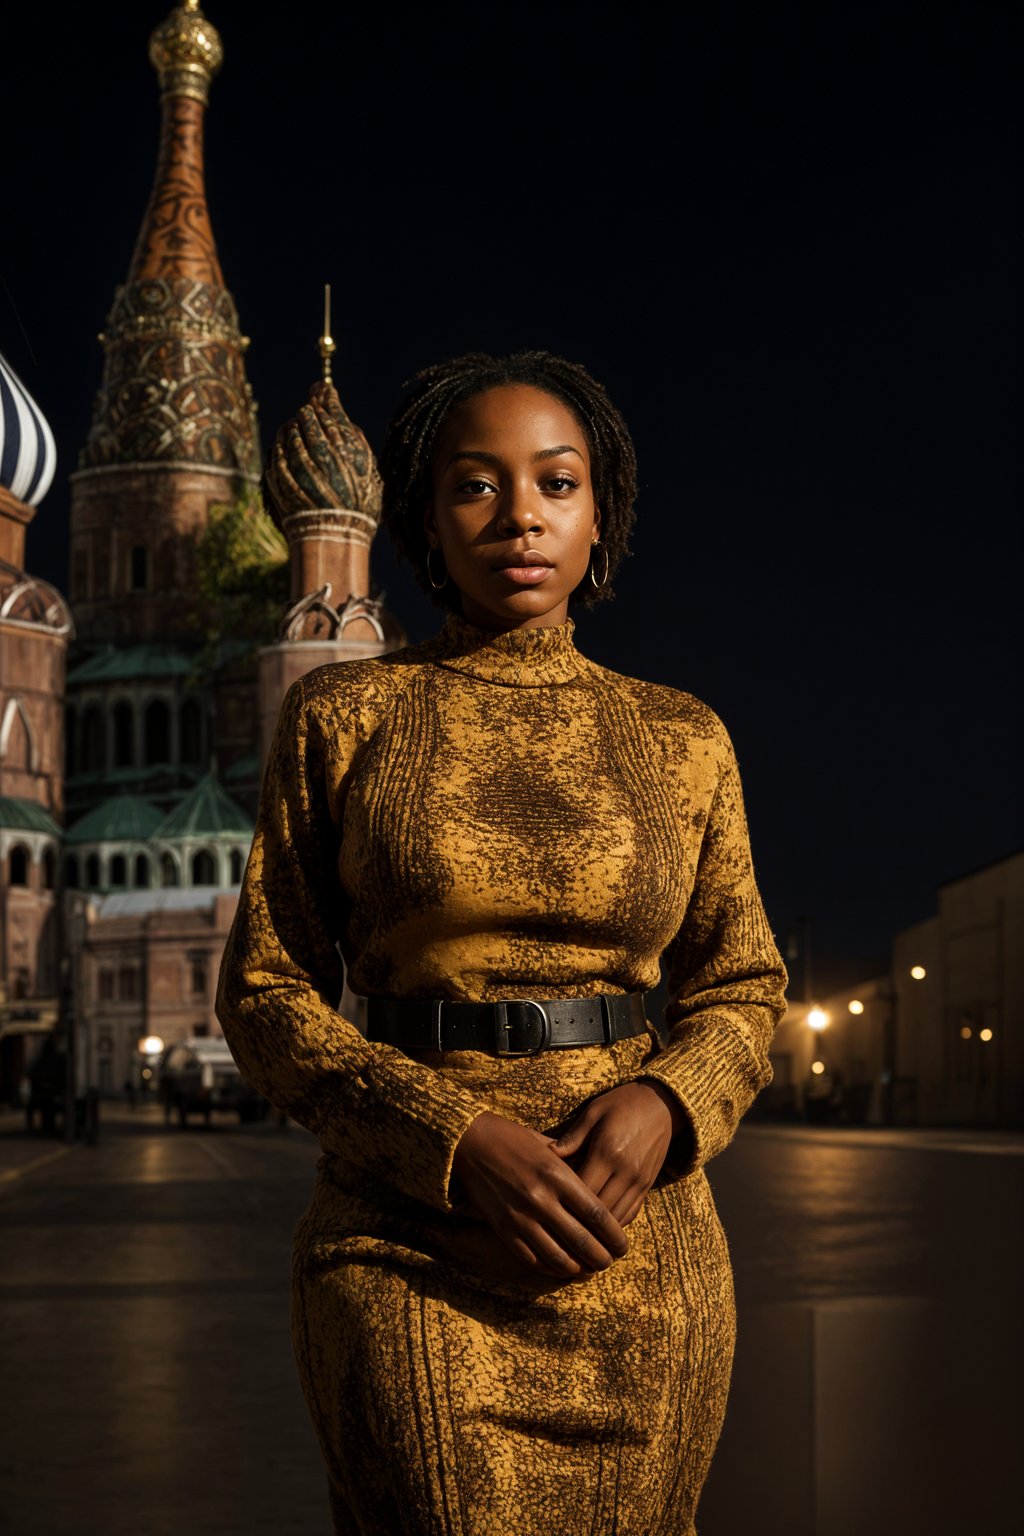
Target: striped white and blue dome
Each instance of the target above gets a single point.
(28, 454)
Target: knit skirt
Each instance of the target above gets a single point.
(453, 1394)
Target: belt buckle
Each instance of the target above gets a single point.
(502, 1027)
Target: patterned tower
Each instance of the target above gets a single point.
(324, 491)
(174, 426)
(173, 434)
(34, 629)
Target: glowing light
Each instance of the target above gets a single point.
(817, 1018)
(855, 1005)
(817, 1067)
(151, 1046)
(985, 1034)
(966, 1032)
(147, 1073)
(918, 972)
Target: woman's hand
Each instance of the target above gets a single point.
(619, 1142)
(538, 1206)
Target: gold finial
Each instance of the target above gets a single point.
(186, 52)
(327, 343)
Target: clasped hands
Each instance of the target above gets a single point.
(561, 1204)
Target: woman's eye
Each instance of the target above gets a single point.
(562, 483)
(475, 487)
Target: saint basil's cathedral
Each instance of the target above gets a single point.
(135, 713)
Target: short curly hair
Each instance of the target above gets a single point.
(406, 459)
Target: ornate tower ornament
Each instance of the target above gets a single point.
(327, 344)
(174, 386)
(186, 52)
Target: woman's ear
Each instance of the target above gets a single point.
(597, 525)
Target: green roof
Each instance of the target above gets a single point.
(26, 816)
(125, 662)
(124, 776)
(121, 819)
(206, 811)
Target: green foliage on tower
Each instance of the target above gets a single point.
(242, 582)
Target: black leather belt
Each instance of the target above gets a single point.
(518, 1027)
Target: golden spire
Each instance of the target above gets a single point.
(327, 343)
(186, 52)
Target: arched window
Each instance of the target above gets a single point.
(92, 872)
(119, 870)
(124, 735)
(49, 869)
(19, 865)
(70, 740)
(204, 870)
(94, 743)
(158, 732)
(141, 871)
(191, 732)
(168, 870)
(71, 872)
(237, 866)
(140, 568)
(128, 983)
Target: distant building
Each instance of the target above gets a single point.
(938, 1041)
(35, 627)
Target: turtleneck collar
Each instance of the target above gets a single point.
(517, 658)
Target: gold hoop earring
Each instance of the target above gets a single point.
(597, 545)
(437, 585)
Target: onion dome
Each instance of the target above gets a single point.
(27, 600)
(186, 52)
(321, 462)
(28, 454)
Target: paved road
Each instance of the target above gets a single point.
(149, 1385)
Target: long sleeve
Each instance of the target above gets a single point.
(390, 1119)
(726, 984)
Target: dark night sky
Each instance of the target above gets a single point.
(787, 241)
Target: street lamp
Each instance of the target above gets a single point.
(149, 1049)
(817, 1018)
(855, 1005)
(918, 972)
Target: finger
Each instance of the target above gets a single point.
(617, 1193)
(595, 1170)
(553, 1263)
(634, 1210)
(594, 1215)
(577, 1243)
(573, 1138)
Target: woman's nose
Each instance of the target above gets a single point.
(522, 511)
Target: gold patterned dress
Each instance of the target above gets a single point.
(475, 818)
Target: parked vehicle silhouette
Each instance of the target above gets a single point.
(199, 1075)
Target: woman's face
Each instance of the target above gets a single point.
(513, 508)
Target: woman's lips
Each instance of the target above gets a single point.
(525, 575)
(525, 568)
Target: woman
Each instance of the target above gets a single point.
(513, 1304)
